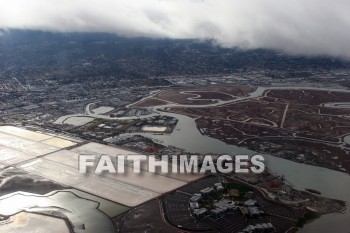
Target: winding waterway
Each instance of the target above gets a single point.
(331, 183)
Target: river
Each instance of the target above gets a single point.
(331, 183)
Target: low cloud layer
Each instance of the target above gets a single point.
(307, 27)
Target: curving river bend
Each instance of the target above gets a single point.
(331, 183)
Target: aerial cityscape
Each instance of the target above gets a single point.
(77, 94)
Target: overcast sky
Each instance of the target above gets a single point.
(310, 27)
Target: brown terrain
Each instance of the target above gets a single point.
(293, 124)
(196, 96)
